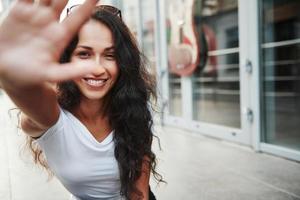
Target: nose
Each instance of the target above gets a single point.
(99, 69)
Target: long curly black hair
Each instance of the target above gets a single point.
(127, 104)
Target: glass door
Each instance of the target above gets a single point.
(280, 63)
(175, 99)
(208, 86)
(216, 81)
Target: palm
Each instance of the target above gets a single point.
(32, 40)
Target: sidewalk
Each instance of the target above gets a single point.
(195, 167)
(20, 179)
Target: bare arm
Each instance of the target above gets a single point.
(38, 105)
(143, 182)
(30, 127)
(29, 54)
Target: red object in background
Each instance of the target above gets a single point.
(184, 51)
(183, 54)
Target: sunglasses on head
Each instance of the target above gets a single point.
(111, 9)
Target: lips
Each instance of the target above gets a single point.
(94, 82)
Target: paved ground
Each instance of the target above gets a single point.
(195, 167)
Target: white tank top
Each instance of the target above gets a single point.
(86, 167)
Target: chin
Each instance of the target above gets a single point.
(93, 95)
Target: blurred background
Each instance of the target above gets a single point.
(228, 76)
(244, 85)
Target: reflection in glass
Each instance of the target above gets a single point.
(280, 32)
(175, 97)
(216, 86)
(175, 92)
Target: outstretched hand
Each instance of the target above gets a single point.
(32, 40)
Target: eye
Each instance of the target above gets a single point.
(110, 56)
(83, 54)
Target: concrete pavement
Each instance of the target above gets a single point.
(20, 179)
(195, 167)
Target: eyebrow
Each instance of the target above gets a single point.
(112, 48)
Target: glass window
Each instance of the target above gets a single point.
(280, 61)
(130, 15)
(148, 31)
(175, 92)
(216, 82)
(148, 24)
(142, 24)
(175, 97)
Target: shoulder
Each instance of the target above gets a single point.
(58, 127)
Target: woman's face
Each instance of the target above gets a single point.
(96, 44)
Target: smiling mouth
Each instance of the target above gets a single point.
(95, 82)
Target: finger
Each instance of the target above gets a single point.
(26, 1)
(63, 72)
(77, 18)
(43, 17)
(45, 2)
(58, 6)
(23, 11)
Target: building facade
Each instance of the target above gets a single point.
(228, 69)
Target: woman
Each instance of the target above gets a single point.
(95, 130)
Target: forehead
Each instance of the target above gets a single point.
(95, 33)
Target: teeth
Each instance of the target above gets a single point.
(95, 82)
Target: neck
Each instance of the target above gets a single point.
(90, 110)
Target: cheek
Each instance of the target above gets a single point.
(77, 81)
(114, 71)
(114, 76)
